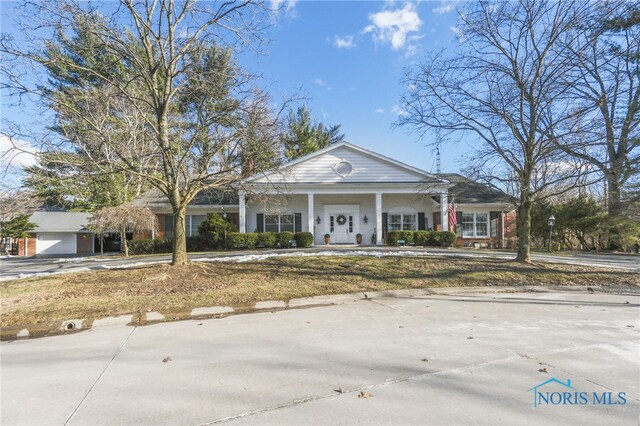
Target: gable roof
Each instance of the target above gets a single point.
(414, 172)
(468, 191)
(60, 221)
(207, 197)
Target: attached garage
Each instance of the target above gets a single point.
(56, 243)
(58, 233)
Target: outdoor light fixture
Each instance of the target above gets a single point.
(552, 221)
(366, 219)
(318, 220)
(224, 213)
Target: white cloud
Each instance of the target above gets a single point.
(345, 42)
(16, 154)
(286, 6)
(319, 82)
(398, 111)
(378, 111)
(458, 33)
(395, 26)
(445, 7)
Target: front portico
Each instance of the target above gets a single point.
(343, 191)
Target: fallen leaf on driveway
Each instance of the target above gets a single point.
(167, 359)
(339, 390)
(424, 360)
(543, 370)
(469, 337)
(364, 394)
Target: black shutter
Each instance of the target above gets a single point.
(422, 225)
(384, 226)
(459, 223)
(260, 223)
(297, 226)
(494, 219)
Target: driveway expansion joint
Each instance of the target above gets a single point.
(102, 373)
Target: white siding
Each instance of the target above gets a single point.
(298, 204)
(365, 168)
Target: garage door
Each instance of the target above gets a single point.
(56, 243)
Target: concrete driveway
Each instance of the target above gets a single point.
(16, 267)
(458, 357)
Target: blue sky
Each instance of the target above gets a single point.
(347, 57)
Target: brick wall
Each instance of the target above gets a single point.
(29, 249)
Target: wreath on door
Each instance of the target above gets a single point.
(341, 219)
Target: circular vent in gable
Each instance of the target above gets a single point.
(343, 168)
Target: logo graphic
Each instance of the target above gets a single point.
(546, 394)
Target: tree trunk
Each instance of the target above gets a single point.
(123, 241)
(523, 226)
(613, 194)
(179, 237)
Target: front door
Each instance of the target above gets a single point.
(341, 228)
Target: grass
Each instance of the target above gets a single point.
(179, 289)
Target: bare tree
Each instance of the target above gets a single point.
(496, 95)
(123, 219)
(151, 89)
(15, 204)
(603, 93)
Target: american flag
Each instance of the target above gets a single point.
(453, 220)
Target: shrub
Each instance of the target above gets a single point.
(394, 236)
(303, 239)
(266, 239)
(447, 238)
(250, 239)
(422, 238)
(282, 239)
(236, 240)
(214, 228)
(150, 246)
(199, 243)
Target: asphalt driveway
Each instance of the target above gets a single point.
(16, 267)
(457, 357)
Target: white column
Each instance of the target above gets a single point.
(242, 212)
(444, 208)
(310, 212)
(379, 239)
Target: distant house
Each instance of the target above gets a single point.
(58, 233)
(344, 190)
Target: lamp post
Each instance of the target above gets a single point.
(551, 222)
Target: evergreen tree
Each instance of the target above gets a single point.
(305, 135)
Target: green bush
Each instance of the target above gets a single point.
(214, 228)
(282, 239)
(266, 239)
(394, 236)
(423, 238)
(199, 243)
(303, 239)
(250, 239)
(236, 240)
(447, 238)
(150, 246)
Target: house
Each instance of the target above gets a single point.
(344, 190)
(58, 233)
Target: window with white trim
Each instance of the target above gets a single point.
(402, 222)
(279, 223)
(475, 225)
(192, 223)
(195, 220)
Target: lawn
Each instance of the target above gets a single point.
(174, 291)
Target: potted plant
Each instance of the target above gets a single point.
(359, 238)
(327, 239)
